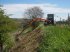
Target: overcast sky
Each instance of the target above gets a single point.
(60, 8)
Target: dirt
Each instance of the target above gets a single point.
(29, 42)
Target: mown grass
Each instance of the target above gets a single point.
(56, 39)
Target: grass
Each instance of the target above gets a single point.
(56, 39)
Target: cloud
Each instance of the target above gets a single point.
(12, 8)
(18, 9)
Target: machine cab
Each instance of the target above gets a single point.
(50, 17)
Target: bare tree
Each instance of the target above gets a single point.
(34, 12)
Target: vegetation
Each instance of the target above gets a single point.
(7, 25)
(56, 39)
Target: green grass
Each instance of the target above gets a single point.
(56, 39)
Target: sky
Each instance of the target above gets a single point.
(60, 8)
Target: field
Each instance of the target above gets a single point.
(56, 39)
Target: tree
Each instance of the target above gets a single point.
(6, 26)
(32, 13)
(68, 19)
